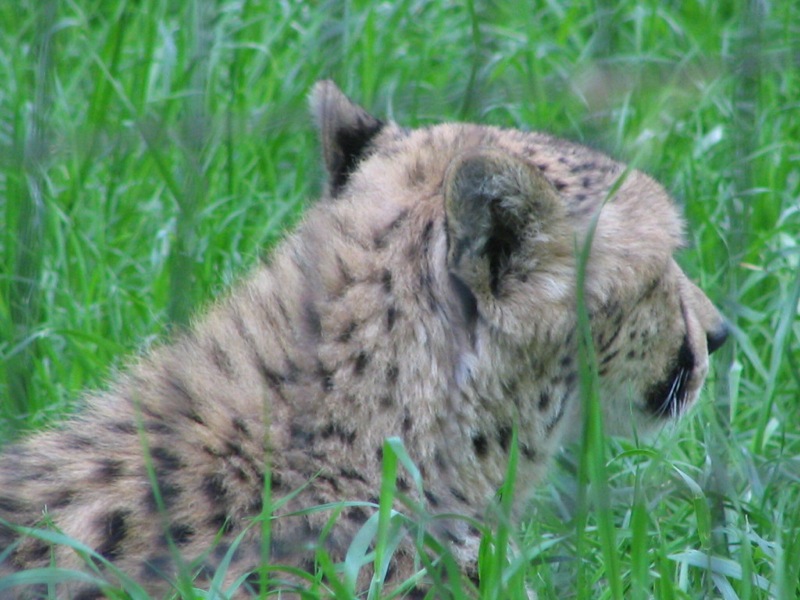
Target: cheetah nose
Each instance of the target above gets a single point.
(717, 337)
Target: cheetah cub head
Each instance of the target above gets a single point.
(483, 228)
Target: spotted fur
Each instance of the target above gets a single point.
(430, 295)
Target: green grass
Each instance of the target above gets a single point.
(151, 150)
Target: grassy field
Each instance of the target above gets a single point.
(151, 150)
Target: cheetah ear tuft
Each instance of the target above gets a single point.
(345, 132)
(498, 207)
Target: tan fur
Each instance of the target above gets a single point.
(429, 296)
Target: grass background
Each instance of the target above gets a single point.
(151, 149)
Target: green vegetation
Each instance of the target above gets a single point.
(150, 150)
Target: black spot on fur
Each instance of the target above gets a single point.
(312, 319)
(480, 444)
(348, 473)
(78, 442)
(9, 505)
(61, 498)
(453, 538)
(168, 491)
(392, 373)
(92, 593)
(157, 427)
(181, 533)
(126, 427)
(544, 400)
(391, 318)
(222, 359)
(220, 522)
(356, 514)
(221, 550)
(165, 460)
(345, 336)
(528, 452)
(301, 435)
(214, 489)
(326, 378)
(362, 360)
(408, 422)
(37, 550)
(108, 470)
(114, 527)
(402, 484)
(417, 593)
(504, 437)
(240, 426)
(338, 430)
(386, 281)
(458, 495)
(559, 185)
(433, 500)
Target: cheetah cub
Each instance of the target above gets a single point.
(430, 296)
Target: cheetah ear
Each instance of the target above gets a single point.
(498, 208)
(345, 132)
